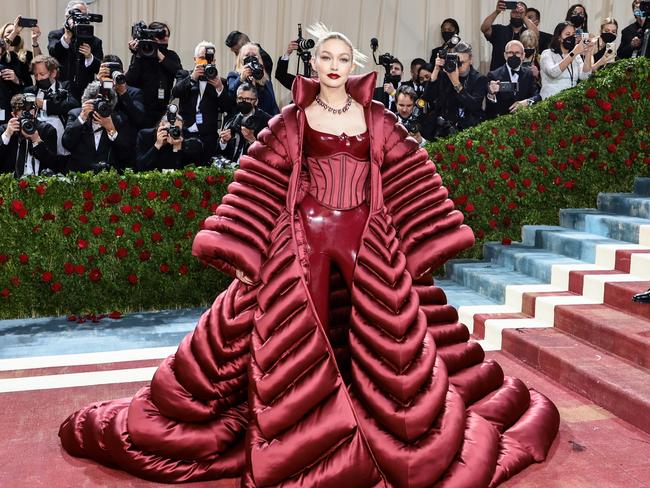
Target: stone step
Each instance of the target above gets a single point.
(608, 381)
(486, 278)
(619, 295)
(460, 296)
(619, 227)
(628, 204)
(616, 332)
(642, 186)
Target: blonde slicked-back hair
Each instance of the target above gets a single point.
(321, 32)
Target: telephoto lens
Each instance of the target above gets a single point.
(27, 123)
(119, 78)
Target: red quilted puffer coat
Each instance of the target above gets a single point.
(395, 395)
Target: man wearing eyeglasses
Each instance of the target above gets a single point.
(241, 129)
(455, 93)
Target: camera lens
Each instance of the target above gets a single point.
(211, 71)
(27, 124)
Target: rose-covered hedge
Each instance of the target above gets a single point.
(521, 169)
(88, 244)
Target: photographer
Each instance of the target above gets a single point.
(455, 93)
(241, 129)
(408, 114)
(250, 69)
(511, 87)
(16, 57)
(79, 57)
(53, 99)
(282, 69)
(632, 35)
(163, 147)
(236, 40)
(603, 50)
(9, 85)
(92, 134)
(499, 35)
(153, 71)
(392, 81)
(28, 145)
(130, 106)
(450, 32)
(414, 82)
(203, 98)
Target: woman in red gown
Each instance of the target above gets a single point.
(331, 360)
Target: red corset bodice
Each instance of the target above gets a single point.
(338, 167)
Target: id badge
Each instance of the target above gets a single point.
(199, 118)
(161, 93)
(2, 114)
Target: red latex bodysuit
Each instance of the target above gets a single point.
(342, 366)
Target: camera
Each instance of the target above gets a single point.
(102, 103)
(210, 70)
(239, 122)
(385, 60)
(451, 62)
(27, 120)
(256, 68)
(304, 45)
(412, 124)
(28, 23)
(173, 130)
(444, 127)
(645, 7)
(58, 96)
(147, 47)
(115, 72)
(81, 29)
(450, 44)
(508, 87)
(511, 5)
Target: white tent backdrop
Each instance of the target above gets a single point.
(406, 29)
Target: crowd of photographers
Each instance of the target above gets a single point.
(77, 109)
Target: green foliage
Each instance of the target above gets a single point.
(88, 244)
(521, 169)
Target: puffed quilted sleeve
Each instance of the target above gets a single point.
(237, 235)
(431, 231)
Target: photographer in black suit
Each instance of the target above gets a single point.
(455, 93)
(386, 93)
(9, 85)
(511, 87)
(241, 129)
(282, 69)
(93, 132)
(632, 35)
(27, 145)
(203, 99)
(154, 74)
(53, 99)
(79, 58)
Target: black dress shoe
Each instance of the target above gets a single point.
(642, 297)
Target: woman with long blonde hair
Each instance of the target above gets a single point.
(250, 69)
(16, 57)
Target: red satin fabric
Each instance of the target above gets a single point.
(384, 390)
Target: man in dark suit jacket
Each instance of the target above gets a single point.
(524, 92)
(22, 153)
(386, 93)
(95, 142)
(632, 35)
(202, 103)
(249, 119)
(79, 58)
(282, 68)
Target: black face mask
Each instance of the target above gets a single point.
(608, 37)
(529, 52)
(516, 22)
(394, 79)
(245, 107)
(569, 43)
(577, 20)
(514, 62)
(16, 42)
(447, 35)
(44, 84)
(163, 47)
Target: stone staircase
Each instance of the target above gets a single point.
(560, 301)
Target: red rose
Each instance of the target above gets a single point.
(80, 269)
(56, 287)
(3, 258)
(480, 234)
(82, 244)
(23, 258)
(175, 206)
(439, 157)
(67, 205)
(532, 158)
(469, 143)
(135, 191)
(541, 188)
(97, 231)
(190, 175)
(67, 230)
(611, 148)
(451, 147)
(185, 194)
(138, 243)
(136, 227)
(492, 223)
(591, 122)
(123, 185)
(115, 315)
(88, 195)
(4, 293)
(512, 131)
(95, 275)
(49, 216)
(469, 207)
(40, 189)
(591, 92)
(164, 268)
(102, 249)
(511, 184)
(168, 221)
(628, 123)
(164, 195)
(83, 219)
(635, 95)
(552, 116)
(148, 213)
(512, 205)
(210, 180)
(15, 281)
(482, 167)
(46, 277)
(534, 126)
(145, 256)
(491, 184)
(563, 143)
(121, 253)
(88, 206)
(17, 205)
(461, 200)
(559, 105)
(569, 184)
(119, 232)
(126, 209)
(607, 118)
(178, 182)
(462, 158)
(495, 210)
(183, 269)
(506, 241)
(133, 279)
(505, 175)
(68, 268)
(151, 195)
(156, 237)
(205, 203)
(114, 198)
(213, 207)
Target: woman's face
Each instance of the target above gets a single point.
(424, 75)
(448, 27)
(578, 11)
(333, 62)
(568, 31)
(611, 28)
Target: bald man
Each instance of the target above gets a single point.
(511, 87)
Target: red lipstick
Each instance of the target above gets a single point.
(333, 76)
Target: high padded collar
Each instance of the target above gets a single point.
(361, 87)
